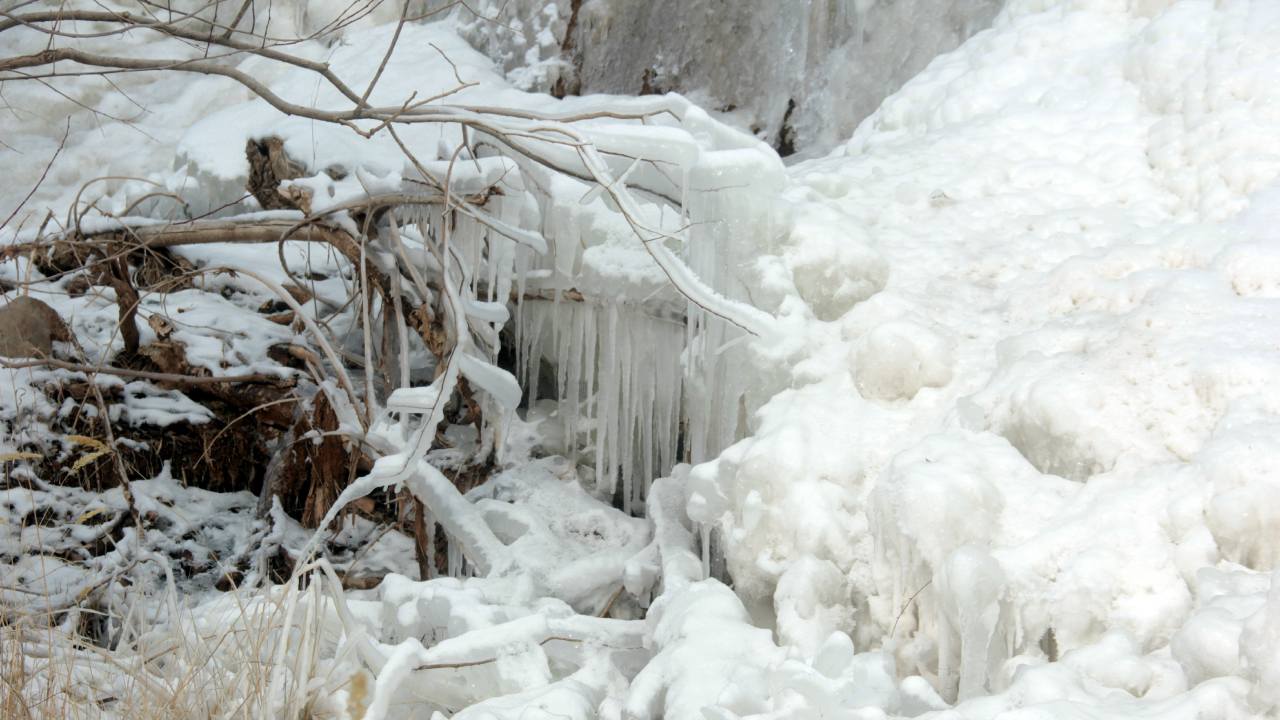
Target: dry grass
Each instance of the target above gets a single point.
(255, 654)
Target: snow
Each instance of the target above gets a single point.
(1031, 414)
(895, 359)
(1000, 440)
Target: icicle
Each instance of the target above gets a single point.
(454, 561)
(533, 352)
(704, 531)
(429, 523)
(628, 383)
(576, 359)
(608, 409)
(590, 359)
(647, 439)
(626, 434)
(562, 337)
(494, 260)
(972, 645)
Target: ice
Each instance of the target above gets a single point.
(624, 360)
(895, 359)
(576, 697)
(834, 60)
(1242, 517)
(495, 381)
(732, 225)
(713, 660)
(1043, 348)
(619, 384)
(971, 641)
(707, 652)
(832, 271)
(1208, 644)
(812, 605)
(564, 537)
(1258, 641)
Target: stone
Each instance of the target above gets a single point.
(28, 328)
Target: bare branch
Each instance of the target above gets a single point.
(44, 174)
(252, 378)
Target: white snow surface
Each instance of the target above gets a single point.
(1053, 416)
(1008, 448)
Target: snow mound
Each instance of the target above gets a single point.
(896, 359)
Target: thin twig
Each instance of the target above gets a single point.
(906, 605)
(47, 167)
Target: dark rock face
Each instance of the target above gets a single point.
(801, 75)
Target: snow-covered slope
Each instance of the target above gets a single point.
(1049, 430)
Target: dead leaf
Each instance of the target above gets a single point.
(162, 327)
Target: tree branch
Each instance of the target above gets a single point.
(253, 378)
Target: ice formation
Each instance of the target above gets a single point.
(1035, 445)
(637, 365)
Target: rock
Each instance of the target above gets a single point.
(28, 328)
(810, 73)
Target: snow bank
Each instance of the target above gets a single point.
(1036, 432)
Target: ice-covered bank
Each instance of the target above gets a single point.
(1036, 401)
(1005, 444)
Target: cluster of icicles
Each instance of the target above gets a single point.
(619, 382)
(643, 378)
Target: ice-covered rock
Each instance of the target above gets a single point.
(801, 76)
